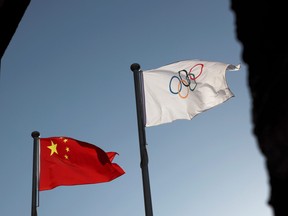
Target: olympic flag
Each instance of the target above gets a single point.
(183, 89)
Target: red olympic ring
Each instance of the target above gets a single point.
(201, 70)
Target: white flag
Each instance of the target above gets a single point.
(184, 89)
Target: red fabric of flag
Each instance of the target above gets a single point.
(66, 161)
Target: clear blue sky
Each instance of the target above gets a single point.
(67, 72)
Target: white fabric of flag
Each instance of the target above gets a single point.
(183, 89)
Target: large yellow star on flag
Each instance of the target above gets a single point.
(53, 148)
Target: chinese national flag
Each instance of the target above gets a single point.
(66, 161)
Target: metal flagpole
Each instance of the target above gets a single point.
(138, 83)
(35, 135)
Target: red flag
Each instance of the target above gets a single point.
(66, 161)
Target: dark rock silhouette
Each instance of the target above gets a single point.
(11, 13)
(261, 30)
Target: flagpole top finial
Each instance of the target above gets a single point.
(135, 67)
(35, 134)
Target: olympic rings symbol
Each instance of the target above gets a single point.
(186, 79)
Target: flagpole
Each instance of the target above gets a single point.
(138, 83)
(35, 135)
